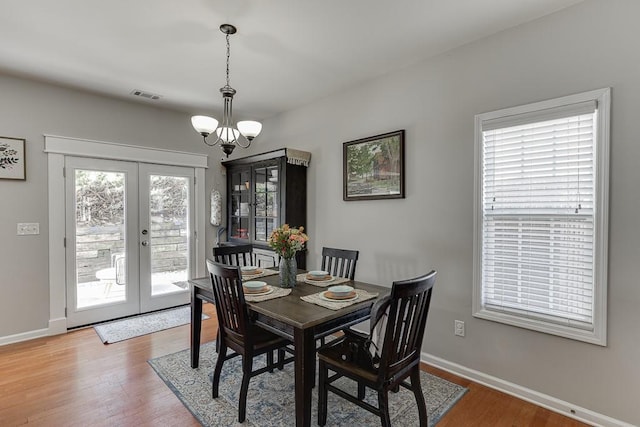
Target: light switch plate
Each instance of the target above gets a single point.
(27, 228)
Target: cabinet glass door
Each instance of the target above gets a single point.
(265, 201)
(240, 200)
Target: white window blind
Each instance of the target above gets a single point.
(538, 217)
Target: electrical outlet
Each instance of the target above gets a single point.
(458, 328)
(25, 228)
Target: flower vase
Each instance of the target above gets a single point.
(288, 271)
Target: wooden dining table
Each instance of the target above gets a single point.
(290, 317)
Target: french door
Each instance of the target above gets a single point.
(129, 238)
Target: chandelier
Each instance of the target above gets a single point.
(229, 134)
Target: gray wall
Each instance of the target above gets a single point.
(29, 110)
(589, 46)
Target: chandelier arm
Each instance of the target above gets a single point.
(245, 138)
(211, 144)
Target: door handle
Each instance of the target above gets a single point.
(145, 243)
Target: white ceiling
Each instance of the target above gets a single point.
(287, 53)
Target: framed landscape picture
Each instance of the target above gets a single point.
(12, 162)
(373, 168)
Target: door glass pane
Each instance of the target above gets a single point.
(169, 241)
(100, 237)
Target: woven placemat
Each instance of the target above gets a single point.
(265, 273)
(337, 305)
(277, 293)
(319, 283)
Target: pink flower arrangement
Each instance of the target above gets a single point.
(286, 241)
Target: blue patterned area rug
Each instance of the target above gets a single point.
(270, 401)
(131, 327)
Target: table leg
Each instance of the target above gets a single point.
(305, 364)
(196, 328)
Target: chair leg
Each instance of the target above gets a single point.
(247, 367)
(222, 353)
(322, 393)
(270, 361)
(417, 392)
(383, 404)
(361, 391)
(281, 356)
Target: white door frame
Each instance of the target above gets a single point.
(57, 147)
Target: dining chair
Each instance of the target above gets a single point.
(238, 255)
(238, 333)
(340, 262)
(383, 359)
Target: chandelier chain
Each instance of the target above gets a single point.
(228, 55)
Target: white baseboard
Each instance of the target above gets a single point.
(56, 327)
(24, 336)
(540, 399)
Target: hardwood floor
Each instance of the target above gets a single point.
(75, 380)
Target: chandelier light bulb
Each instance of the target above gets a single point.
(227, 134)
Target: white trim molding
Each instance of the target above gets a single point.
(111, 150)
(551, 403)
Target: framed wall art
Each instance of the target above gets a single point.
(373, 168)
(12, 158)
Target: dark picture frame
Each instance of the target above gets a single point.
(12, 158)
(373, 167)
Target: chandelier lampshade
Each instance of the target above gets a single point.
(204, 125)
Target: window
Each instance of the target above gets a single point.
(541, 202)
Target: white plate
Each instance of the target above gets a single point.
(249, 276)
(322, 296)
(249, 268)
(318, 282)
(259, 294)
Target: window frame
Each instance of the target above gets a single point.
(598, 335)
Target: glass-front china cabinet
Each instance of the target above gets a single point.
(265, 191)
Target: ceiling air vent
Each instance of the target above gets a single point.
(143, 94)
